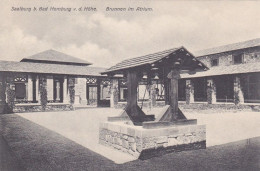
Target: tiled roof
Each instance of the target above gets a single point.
(226, 70)
(50, 56)
(143, 60)
(29, 67)
(230, 47)
(147, 59)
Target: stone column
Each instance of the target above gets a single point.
(50, 87)
(84, 91)
(43, 91)
(37, 90)
(238, 93)
(114, 93)
(30, 88)
(211, 91)
(189, 92)
(65, 90)
(71, 88)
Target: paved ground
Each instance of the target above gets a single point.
(61, 141)
(8, 161)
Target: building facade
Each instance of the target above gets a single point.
(53, 79)
(60, 81)
(233, 77)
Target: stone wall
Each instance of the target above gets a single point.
(145, 104)
(145, 143)
(19, 108)
(203, 107)
(251, 55)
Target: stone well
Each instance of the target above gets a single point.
(145, 143)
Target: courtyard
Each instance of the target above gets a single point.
(69, 141)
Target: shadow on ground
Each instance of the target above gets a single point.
(37, 148)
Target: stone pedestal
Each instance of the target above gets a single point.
(145, 143)
(189, 92)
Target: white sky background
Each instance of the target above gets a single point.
(106, 38)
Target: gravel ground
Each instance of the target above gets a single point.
(39, 145)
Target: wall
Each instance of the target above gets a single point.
(225, 59)
(145, 143)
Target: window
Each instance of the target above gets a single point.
(238, 59)
(58, 90)
(214, 62)
(104, 92)
(20, 86)
(20, 91)
(143, 93)
(250, 84)
(92, 93)
(123, 93)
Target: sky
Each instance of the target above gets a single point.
(106, 38)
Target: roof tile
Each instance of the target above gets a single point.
(230, 47)
(29, 67)
(55, 56)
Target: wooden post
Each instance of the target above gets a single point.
(134, 112)
(172, 113)
(132, 84)
(174, 75)
(166, 86)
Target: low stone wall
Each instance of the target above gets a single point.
(145, 104)
(19, 108)
(200, 107)
(146, 143)
(203, 106)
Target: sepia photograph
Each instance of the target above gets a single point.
(90, 85)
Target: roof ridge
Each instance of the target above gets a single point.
(228, 47)
(52, 55)
(148, 55)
